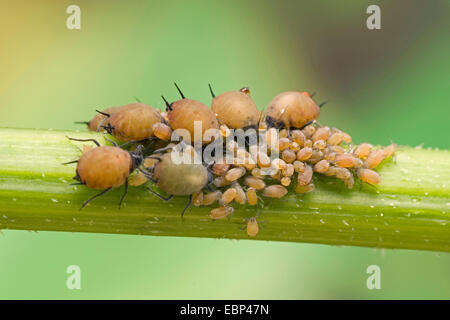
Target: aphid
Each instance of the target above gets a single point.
(321, 133)
(254, 182)
(251, 196)
(106, 167)
(211, 197)
(305, 177)
(283, 144)
(298, 136)
(221, 212)
(256, 172)
(316, 156)
(389, 150)
(285, 181)
(346, 160)
(291, 109)
(299, 166)
(342, 173)
(137, 180)
(234, 174)
(178, 178)
(162, 131)
(235, 109)
(322, 166)
(133, 122)
(197, 198)
(368, 176)
(363, 150)
(274, 191)
(240, 196)
(220, 169)
(304, 154)
(99, 119)
(288, 156)
(252, 227)
(374, 158)
(183, 113)
(288, 171)
(263, 160)
(304, 189)
(336, 138)
(320, 144)
(228, 195)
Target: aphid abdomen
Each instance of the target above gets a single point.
(134, 122)
(104, 167)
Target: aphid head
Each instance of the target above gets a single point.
(137, 157)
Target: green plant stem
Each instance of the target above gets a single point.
(409, 209)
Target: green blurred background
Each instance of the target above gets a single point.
(383, 84)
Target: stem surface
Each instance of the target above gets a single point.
(410, 208)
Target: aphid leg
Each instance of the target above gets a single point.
(96, 196)
(307, 124)
(70, 162)
(160, 195)
(85, 140)
(125, 193)
(112, 142)
(187, 206)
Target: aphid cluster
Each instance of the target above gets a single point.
(294, 147)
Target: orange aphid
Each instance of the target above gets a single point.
(221, 212)
(162, 131)
(374, 158)
(274, 191)
(346, 160)
(363, 150)
(390, 150)
(254, 182)
(252, 197)
(368, 176)
(228, 195)
(235, 109)
(305, 177)
(291, 109)
(252, 227)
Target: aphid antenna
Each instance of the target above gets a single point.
(85, 140)
(168, 105)
(323, 103)
(211, 90)
(181, 93)
(70, 162)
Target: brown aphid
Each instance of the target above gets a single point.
(211, 197)
(197, 198)
(285, 181)
(133, 122)
(298, 136)
(240, 196)
(363, 150)
(252, 227)
(374, 158)
(221, 212)
(304, 154)
(220, 169)
(299, 166)
(235, 109)
(288, 156)
(291, 109)
(322, 166)
(346, 160)
(368, 176)
(100, 119)
(106, 167)
(274, 191)
(263, 160)
(331, 171)
(234, 174)
(183, 114)
(304, 189)
(252, 196)
(305, 177)
(254, 182)
(389, 150)
(321, 133)
(228, 195)
(162, 131)
(137, 180)
(294, 146)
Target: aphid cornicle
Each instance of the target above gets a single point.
(292, 109)
(177, 179)
(106, 167)
(183, 113)
(235, 109)
(133, 122)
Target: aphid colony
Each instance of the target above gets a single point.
(294, 147)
